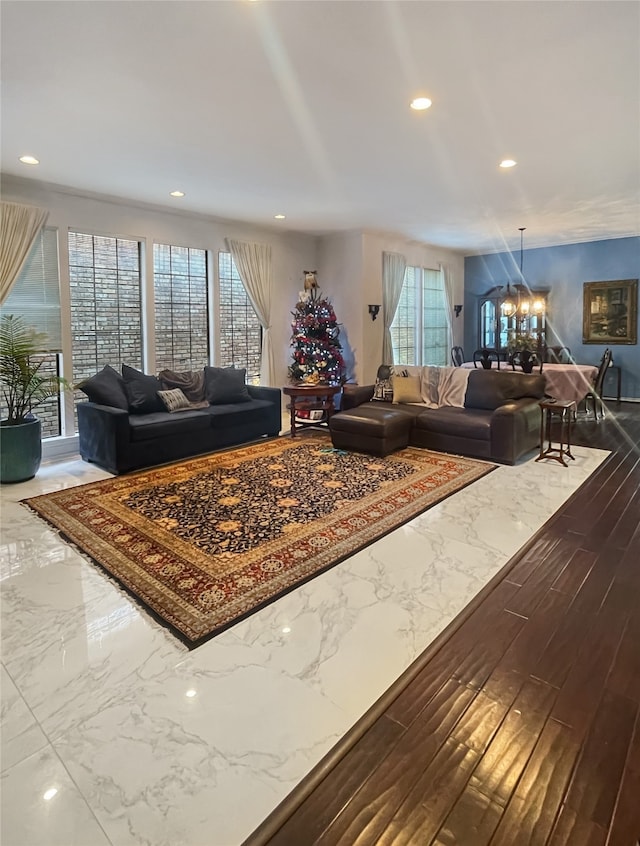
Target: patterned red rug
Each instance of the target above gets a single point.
(206, 542)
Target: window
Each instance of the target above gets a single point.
(240, 333)
(420, 331)
(106, 318)
(181, 307)
(35, 297)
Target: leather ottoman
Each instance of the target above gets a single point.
(368, 428)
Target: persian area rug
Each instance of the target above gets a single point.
(208, 541)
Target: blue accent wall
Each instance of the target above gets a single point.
(562, 271)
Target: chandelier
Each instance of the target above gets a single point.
(520, 303)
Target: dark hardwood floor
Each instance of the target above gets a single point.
(521, 724)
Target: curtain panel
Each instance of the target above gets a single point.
(253, 262)
(447, 284)
(393, 268)
(19, 228)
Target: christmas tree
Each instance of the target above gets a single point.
(317, 352)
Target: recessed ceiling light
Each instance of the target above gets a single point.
(49, 794)
(279, 217)
(420, 104)
(29, 160)
(508, 163)
(177, 193)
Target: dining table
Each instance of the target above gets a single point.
(566, 382)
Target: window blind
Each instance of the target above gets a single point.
(35, 295)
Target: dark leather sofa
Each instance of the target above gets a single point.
(500, 419)
(120, 441)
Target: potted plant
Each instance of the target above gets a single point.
(23, 387)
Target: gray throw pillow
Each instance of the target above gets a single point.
(142, 391)
(225, 385)
(174, 400)
(105, 388)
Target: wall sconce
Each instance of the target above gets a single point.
(457, 309)
(373, 311)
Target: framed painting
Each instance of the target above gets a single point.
(610, 312)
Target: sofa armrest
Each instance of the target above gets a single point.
(354, 395)
(515, 429)
(263, 392)
(103, 434)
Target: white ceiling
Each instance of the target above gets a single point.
(301, 107)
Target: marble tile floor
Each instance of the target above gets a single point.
(114, 733)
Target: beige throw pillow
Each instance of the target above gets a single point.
(406, 389)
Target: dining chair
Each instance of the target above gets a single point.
(457, 356)
(526, 360)
(486, 356)
(595, 394)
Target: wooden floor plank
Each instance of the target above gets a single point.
(582, 689)
(595, 783)
(426, 806)
(560, 653)
(537, 585)
(367, 814)
(503, 763)
(572, 830)
(473, 819)
(530, 815)
(625, 824)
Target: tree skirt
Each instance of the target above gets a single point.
(203, 543)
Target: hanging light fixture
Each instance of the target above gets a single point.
(514, 304)
(508, 306)
(524, 304)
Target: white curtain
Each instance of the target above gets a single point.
(447, 286)
(19, 228)
(253, 262)
(393, 268)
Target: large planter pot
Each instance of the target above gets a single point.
(20, 451)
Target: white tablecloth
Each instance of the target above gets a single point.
(568, 382)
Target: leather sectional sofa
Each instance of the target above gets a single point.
(499, 419)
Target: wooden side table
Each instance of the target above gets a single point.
(565, 411)
(310, 398)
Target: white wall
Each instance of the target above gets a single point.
(340, 278)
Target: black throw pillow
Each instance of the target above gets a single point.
(225, 385)
(142, 391)
(105, 388)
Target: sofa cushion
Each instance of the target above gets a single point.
(161, 424)
(105, 388)
(226, 416)
(142, 391)
(457, 422)
(490, 389)
(224, 385)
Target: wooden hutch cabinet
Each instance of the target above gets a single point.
(500, 330)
